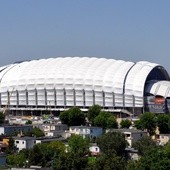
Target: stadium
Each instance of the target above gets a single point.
(59, 83)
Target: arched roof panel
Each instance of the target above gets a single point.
(135, 69)
(160, 88)
(140, 79)
(109, 75)
(120, 76)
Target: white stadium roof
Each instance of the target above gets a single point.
(79, 73)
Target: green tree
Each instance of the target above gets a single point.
(76, 117)
(63, 161)
(132, 165)
(154, 159)
(167, 149)
(78, 145)
(112, 156)
(105, 120)
(112, 162)
(53, 152)
(75, 162)
(76, 155)
(16, 160)
(101, 120)
(168, 121)
(91, 163)
(73, 117)
(37, 155)
(125, 123)
(48, 154)
(37, 132)
(28, 122)
(2, 118)
(138, 124)
(112, 143)
(11, 146)
(148, 121)
(93, 112)
(144, 144)
(111, 122)
(64, 117)
(56, 146)
(163, 123)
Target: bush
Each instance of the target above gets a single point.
(125, 123)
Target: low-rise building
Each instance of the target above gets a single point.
(163, 139)
(131, 135)
(29, 142)
(46, 139)
(94, 150)
(132, 154)
(17, 121)
(48, 127)
(86, 131)
(2, 160)
(54, 133)
(53, 129)
(24, 142)
(15, 129)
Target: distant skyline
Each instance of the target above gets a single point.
(128, 30)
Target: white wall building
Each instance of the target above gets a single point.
(86, 131)
(164, 139)
(24, 142)
(53, 129)
(94, 150)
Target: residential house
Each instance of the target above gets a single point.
(86, 131)
(132, 154)
(94, 150)
(55, 130)
(48, 139)
(17, 121)
(163, 139)
(29, 142)
(131, 135)
(14, 129)
(24, 142)
(54, 133)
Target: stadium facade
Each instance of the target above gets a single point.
(59, 83)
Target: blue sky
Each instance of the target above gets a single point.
(131, 30)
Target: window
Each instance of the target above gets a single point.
(17, 141)
(22, 142)
(127, 135)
